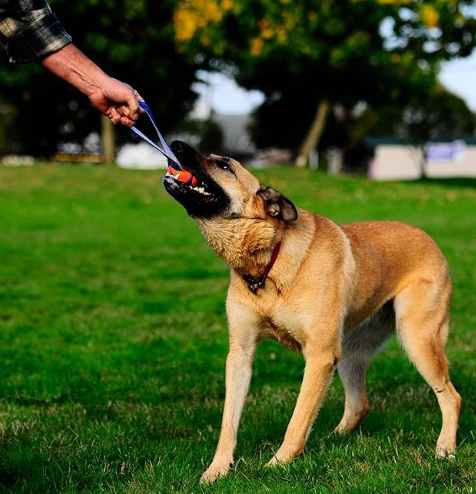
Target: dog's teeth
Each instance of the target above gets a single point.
(200, 190)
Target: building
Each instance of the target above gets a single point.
(395, 159)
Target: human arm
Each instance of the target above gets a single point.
(115, 99)
(31, 32)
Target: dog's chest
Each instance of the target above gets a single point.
(284, 327)
(283, 336)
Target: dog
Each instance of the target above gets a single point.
(334, 293)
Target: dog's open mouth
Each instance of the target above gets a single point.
(186, 179)
(191, 184)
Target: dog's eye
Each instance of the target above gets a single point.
(224, 165)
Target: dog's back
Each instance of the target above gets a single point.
(389, 256)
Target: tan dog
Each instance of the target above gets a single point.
(333, 292)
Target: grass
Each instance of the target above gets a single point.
(113, 341)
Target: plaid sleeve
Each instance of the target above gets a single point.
(29, 30)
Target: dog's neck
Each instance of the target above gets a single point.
(244, 244)
(247, 245)
(254, 284)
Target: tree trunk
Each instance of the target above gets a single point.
(108, 137)
(423, 163)
(314, 134)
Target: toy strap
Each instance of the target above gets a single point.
(166, 151)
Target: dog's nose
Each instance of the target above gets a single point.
(180, 147)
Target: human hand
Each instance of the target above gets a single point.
(117, 101)
(113, 98)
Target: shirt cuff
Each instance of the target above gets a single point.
(43, 38)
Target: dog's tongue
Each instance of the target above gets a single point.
(181, 175)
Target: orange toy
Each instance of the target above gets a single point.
(182, 175)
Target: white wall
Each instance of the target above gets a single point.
(400, 162)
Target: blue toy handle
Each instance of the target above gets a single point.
(166, 151)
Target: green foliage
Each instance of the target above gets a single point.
(298, 53)
(113, 341)
(131, 40)
(440, 115)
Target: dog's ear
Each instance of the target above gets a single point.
(277, 205)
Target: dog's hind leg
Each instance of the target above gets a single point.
(422, 316)
(358, 347)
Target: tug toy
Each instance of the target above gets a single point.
(180, 174)
(174, 169)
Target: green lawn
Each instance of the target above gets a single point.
(113, 341)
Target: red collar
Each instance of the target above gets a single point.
(254, 284)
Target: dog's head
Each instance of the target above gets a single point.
(224, 189)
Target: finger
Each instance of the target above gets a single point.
(127, 122)
(139, 99)
(126, 116)
(114, 116)
(138, 96)
(124, 111)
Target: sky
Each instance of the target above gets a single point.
(459, 76)
(225, 97)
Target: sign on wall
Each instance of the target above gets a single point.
(445, 151)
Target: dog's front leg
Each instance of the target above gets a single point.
(320, 367)
(238, 376)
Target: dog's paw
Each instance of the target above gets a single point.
(214, 472)
(342, 429)
(272, 463)
(285, 455)
(444, 452)
(275, 462)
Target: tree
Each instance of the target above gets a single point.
(132, 40)
(441, 115)
(308, 56)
